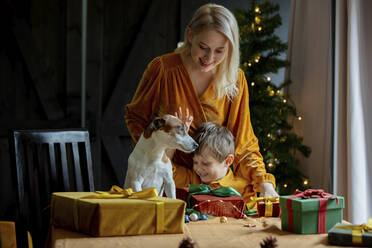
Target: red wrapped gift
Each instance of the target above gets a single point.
(268, 207)
(230, 206)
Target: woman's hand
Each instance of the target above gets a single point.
(187, 119)
(267, 190)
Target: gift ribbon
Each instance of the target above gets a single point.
(203, 189)
(118, 193)
(269, 207)
(318, 194)
(358, 230)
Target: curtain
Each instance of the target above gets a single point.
(310, 55)
(349, 130)
(354, 119)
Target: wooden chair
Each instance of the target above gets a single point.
(46, 161)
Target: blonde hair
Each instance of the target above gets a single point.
(217, 139)
(218, 18)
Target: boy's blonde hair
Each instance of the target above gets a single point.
(218, 18)
(217, 139)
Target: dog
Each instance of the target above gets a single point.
(148, 164)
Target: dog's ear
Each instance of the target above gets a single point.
(156, 124)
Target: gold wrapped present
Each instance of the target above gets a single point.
(118, 212)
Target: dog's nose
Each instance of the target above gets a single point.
(195, 145)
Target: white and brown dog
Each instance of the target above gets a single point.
(148, 164)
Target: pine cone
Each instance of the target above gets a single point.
(187, 243)
(269, 242)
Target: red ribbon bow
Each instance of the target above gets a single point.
(315, 194)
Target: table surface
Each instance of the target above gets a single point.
(208, 233)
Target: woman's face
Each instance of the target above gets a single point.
(208, 49)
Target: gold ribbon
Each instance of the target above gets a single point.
(268, 203)
(268, 208)
(117, 193)
(358, 230)
(160, 217)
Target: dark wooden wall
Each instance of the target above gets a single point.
(40, 71)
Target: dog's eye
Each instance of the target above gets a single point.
(181, 128)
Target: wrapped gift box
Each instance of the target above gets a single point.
(268, 208)
(116, 217)
(7, 234)
(345, 237)
(310, 216)
(231, 206)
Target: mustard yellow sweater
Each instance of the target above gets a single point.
(166, 86)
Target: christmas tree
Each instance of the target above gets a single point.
(272, 112)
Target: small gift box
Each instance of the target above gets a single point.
(118, 212)
(267, 206)
(351, 235)
(223, 201)
(311, 211)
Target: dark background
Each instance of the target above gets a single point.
(40, 70)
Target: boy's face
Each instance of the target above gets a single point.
(208, 168)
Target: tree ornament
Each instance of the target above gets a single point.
(187, 219)
(223, 219)
(193, 217)
(203, 217)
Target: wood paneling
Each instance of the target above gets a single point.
(40, 61)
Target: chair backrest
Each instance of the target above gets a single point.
(46, 161)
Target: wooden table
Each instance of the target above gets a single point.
(209, 233)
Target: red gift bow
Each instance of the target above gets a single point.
(307, 194)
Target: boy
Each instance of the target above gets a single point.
(212, 160)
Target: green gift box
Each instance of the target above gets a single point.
(310, 212)
(340, 234)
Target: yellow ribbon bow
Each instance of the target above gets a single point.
(117, 192)
(268, 203)
(358, 230)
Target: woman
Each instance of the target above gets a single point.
(203, 77)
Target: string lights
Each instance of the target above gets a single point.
(257, 20)
(256, 25)
(221, 208)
